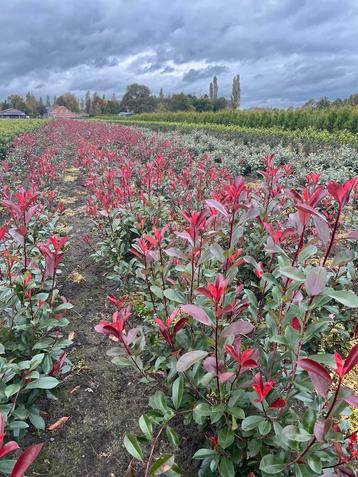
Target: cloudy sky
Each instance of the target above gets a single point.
(286, 51)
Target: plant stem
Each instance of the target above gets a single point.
(332, 236)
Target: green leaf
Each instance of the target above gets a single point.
(271, 464)
(44, 343)
(12, 389)
(226, 468)
(158, 401)
(6, 466)
(251, 422)
(346, 297)
(302, 470)
(177, 392)
(226, 438)
(172, 437)
(47, 382)
(174, 295)
(157, 291)
(292, 433)
(62, 307)
(264, 427)
(315, 463)
(122, 361)
(236, 412)
(293, 273)
(204, 453)
(146, 426)
(162, 465)
(306, 253)
(18, 425)
(37, 421)
(131, 444)
(188, 359)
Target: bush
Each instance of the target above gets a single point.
(239, 284)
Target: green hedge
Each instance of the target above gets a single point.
(270, 135)
(331, 120)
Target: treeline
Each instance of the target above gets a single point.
(331, 119)
(321, 114)
(137, 99)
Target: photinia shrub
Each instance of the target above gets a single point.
(32, 332)
(240, 292)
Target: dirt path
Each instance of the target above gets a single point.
(107, 401)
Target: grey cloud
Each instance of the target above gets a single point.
(286, 51)
(194, 75)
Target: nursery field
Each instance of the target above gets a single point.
(296, 128)
(331, 120)
(177, 303)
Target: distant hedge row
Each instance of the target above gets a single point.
(332, 119)
(271, 135)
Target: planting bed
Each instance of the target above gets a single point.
(196, 321)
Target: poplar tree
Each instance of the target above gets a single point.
(236, 93)
(215, 88)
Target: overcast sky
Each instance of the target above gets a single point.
(286, 51)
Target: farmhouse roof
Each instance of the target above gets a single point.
(61, 112)
(12, 112)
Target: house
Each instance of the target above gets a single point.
(57, 111)
(12, 113)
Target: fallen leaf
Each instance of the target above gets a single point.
(71, 335)
(76, 277)
(75, 389)
(59, 423)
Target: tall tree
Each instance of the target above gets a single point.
(236, 93)
(68, 100)
(180, 102)
(31, 104)
(138, 99)
(215, 88)
(211, 91)
(18, 102)
(88, 103)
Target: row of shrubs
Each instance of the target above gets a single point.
(331, 120)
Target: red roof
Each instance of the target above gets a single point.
(61, 112)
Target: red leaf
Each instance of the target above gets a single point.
(352, 401)
(198, 314)
(239, 327)
(278, 403)
(307, 209)
(352, 360)
(312, 366)
(181, 323)
(320, 430)
(319, 376)
(25, 460)
(7, 448)
(316, 281)
(214, 204)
